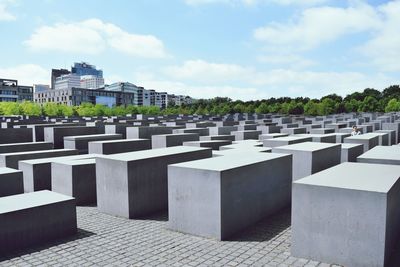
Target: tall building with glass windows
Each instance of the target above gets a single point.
(10, 91)
(92, 82)
(67, 81)
(84, 68)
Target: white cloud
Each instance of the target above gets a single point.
(203, 71)
(292, 61)
(203, 79)
(5, 15)
(319, 25)
(26, 74)
(384, 48)
(94, 36)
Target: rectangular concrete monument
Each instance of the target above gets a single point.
(118, 146)
(381, 155)
(11, 182)
(31, 219)
(169, 140)
(311, 157)
(134, 184)
(350, 152)
(220, 196)
(368, 140)
(347, 215)
(81, 142)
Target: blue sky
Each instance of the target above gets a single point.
(243, 49)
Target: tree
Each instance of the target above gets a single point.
(51, 109)
(311, 108)
(262, 109)
(393, 105)
(369, 104)
(327, 106)
(30, 108)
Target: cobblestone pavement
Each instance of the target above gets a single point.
(106, 240)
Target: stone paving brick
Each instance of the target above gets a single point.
(104, 240)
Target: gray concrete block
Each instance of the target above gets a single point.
(134, 184)
(350, 152)
(213, 144)
(27, 220)
(269, 129)
(20, 147)
(169, 140)
(271, 136)
(283, 141)
(199, 131)
(118, 146)
(37, 172)
(217, 137)
(322, 131)
(297, 130)
(11, 159)
(310, 157)
(220, 196)
(381, 155)
(222, 130)
(145, 132)
(368, 140)
(11, 182)
(392, 136)
(56, 135)
(75, 178)
(395, 126)
(245, 135)
(347, 215)
(81, 142)
(341, 136)
(320, 138)
(15, 135)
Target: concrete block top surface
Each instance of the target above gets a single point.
(23, 144)
(229, 162)
(30, 200)
(356, 176)
(241, 150)
(120, 141)
(77, 162)
(350, 145)
(38, 151)
(308, 146)
(366, 136)
(382, 152)
(47, 160)
(90, 136)
(177, 134)
(6, 170)
(154, 153)
(290, 138)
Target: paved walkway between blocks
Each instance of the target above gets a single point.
(105, 240)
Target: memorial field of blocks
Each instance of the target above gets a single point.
(295, 190)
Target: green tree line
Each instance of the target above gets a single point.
(370, 100)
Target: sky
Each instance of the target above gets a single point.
(242, 49)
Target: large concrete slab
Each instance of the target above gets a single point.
(169, 140)
(11, 159)
(29, 146)
(75, 178)
(145, 132)
(220, 196)
(350, 152)
(381, 155)
(81, 142)
(118, 146)
(311, 157)
(11, 182)
(27, 220)
(347, 214)
(15, 135)
(368, 140)
(56, 135)
(37, 172)
(213, 144)
(287, 140)
(134, 184)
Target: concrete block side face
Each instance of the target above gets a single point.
(113, 148)
(27, 171)
(354, 152)
(194, 201)
(341, 226)
(49, 222)
(71, 144)
(112, 187)
(61, 179)
(95, 148)
(84, 183)
(253, 192)
(41, 176)
(326, 158)
(11, 184)
(302, 164)
(158, 141)
(132, 132)
(393, 220)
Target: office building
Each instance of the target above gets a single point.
(40, 87)
(67, 81)
(85, 68)
(91, 82)
(10, 91)
(55, 73)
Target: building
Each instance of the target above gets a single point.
(127, 87)
(85, 68)
(178, 100)
(40, 87)
(76, 96)
(67, 81)
(161, 100)
(55, 73)
(91, 82)
(10, 91)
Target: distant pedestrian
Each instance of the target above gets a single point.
(355, 131)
